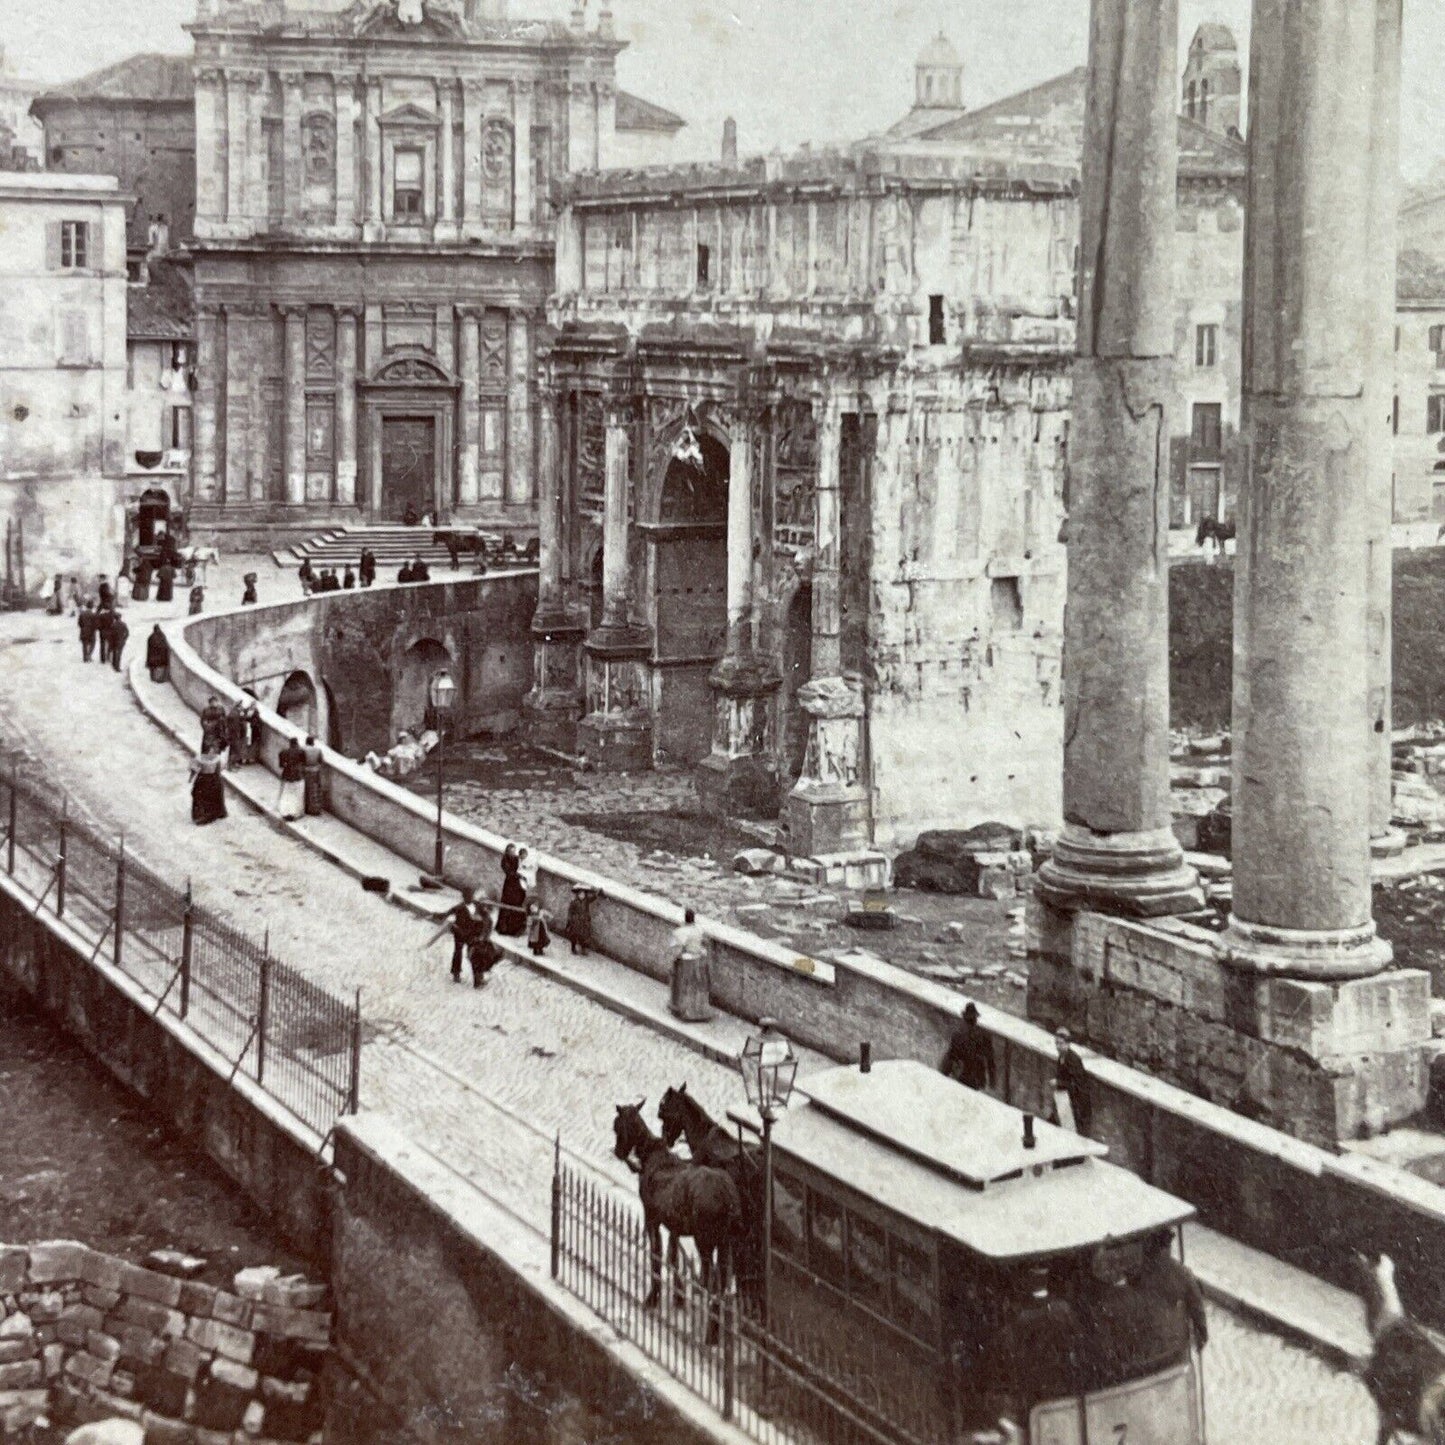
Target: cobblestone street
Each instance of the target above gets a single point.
(486, 1079)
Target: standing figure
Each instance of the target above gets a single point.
(253, 731)
(538, 934)
(238, 729)
(105, 593)
(158, 655)
(691, 978)
(208, 793)
(119, 633)
(512, 915)
(73, 596)
(579, 917)
(463, 922)
(198, 601)
(969, 1060)
(88, 624)
(420, 572)
(291, 800)
(454, 552)
(1073, 1091)
(56, 606)
(368, 566)
(311, 776)
(348, 578)
(482, 952)
(140, 582)
(165, 582)
(103, 617)
(305, 576)
(214, 733)
(248, 594)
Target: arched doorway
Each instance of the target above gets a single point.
(690, 564)
(297, 702)
(409, 410)
(797, 669)
(411, 703)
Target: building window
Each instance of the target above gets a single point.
(1007, 604)
(179, 429)
(406, 187)
(936, 330)
(1206, 430)
(1203, 116)
(74, 245)
(1206, 345)
(704, 267)
(1435, 413)
(1437, 344)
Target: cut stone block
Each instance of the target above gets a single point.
(22, 1375)
(13, 1263)
(228, 1372)
(146, 1284)
(222, 1339)
(156, 1318)
(59, 1260)
(231, 1309)
(89, 1370)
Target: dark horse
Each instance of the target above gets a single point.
(710, 1143)
(688, 1200)
(1406, 1372)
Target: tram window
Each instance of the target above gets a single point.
(825, 1238)
(913, 1300)
(789, 1213)
(867, 1263)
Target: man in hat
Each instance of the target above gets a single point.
(88, 624)
(119, 633)
(969, 1060)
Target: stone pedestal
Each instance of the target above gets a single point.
(616, 733)
(1324, 1061)
(740, 775)
(828, 810)
(553, 708)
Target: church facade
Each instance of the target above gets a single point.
(373, 252)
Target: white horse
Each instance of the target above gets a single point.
(115, 1431)
(1406, 1372)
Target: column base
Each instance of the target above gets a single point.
(615, 742)
(744, 786)
(1133, 875)
(553, 708)
(827, 820)
(740, 776)
(616, 734)
(1327, 955)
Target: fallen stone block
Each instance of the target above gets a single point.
(313, 1325)
(296, 1391)
(59, 1260)
(197, 1298)
(20, 1409)
(101, 1297)
(76, 1321)
(54, 1360)
(102, 1271)
(102, 1346)
(253, 1421)
(120, 1407)
(17, 1326)
(46, 1308)
(228, 1372)
(295, 1292)
(757, 861)
(185, 1359)
(251, 1283)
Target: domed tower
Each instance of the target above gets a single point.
(1212, 79)
(938, 77)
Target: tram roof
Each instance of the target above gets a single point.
(952, 1160)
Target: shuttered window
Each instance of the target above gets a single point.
(74, 245)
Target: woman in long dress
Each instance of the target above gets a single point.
(208, 793)
(512, 915)
(291, 801)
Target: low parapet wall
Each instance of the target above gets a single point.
(1249, 1181)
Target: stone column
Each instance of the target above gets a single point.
(828, 811)
(346, 406)
(346, 197)
(519, 490)
(471, 158)
(446, 226)
(616, 733)
(291, 98)
(740, 775)
(210, 359)
(1118, 852)
(256, 160)
(371, 228)
(553, 707)
(237, 133)
(1313, 304)
(581, 132)
(1384, 247)
(522, 204)
(294, 386)
(210, 150)
(471, 417)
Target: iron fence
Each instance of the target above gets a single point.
(298, 1042)
(779, 1390)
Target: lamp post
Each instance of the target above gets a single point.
(769, 1066)
(442, 692)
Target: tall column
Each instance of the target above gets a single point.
(828, 810)
(446, 226)
(616, 733)
(471, 417)
(1118, 852)
(1312, 309)
(519, 409)
(346, 194)
(346, 406)
(1384, 243)
(237, 134)
(471, 158)
(295, 389)
(522, 155)
(206, 481)
(291, 98)
(371, 132)
(740, 530)
(256, 159)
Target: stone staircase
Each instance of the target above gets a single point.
(394, 545)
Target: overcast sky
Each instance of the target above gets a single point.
(790, 70)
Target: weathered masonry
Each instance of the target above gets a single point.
(374, 251)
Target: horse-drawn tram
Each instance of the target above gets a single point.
(927, 1232)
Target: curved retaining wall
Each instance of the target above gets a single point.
(1250, 1181)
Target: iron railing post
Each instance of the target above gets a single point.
(728, 1308)
(188, 932)
(262, 1006)
(557, 1204)
(119, 924)
(14, 823)
(60, 864)
(353, 1085)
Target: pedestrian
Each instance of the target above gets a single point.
(102, 632)
(527, 870)
(119, 634)
(291, 799)
(482, 952)
(512, 915)
(158, 655)
(198, 600)
(140, 582)
(305, 576)
(238, 729)
(420, 572)
(208, 793)
(969, 1060)
(691, 991)
(368, 566)
(248, 594)
(73, 598)
(1073, 1090)
(214, 732)
(56, 606)
(348, 578)
(311, 776)
(88, 624)
(462, 921)
(1176, 1287)
(165, 582)
(539, 936)
(105, 593)
(579, 917)
(403, 573)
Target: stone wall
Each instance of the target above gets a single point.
(85, 1335)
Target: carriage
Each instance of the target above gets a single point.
(932, 1240)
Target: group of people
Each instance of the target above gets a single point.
(405, 756)
(229, 738)
(326, 579)
(101, 623)
(474, 923)
(414, 571)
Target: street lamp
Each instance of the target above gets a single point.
(442, 692)
(769, 1067)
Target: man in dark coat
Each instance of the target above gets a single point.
(368, 566)
(103, 617)
(305, 575)
(404, 572)
(420, 572)
(165, 582)
(158, 654)
(88, 624)
(1072, 1080)
(969, 1059)
(119, 633)
(105, 592)
(466, 924)
(1171, 1282)
(348, 579)
(215, 732)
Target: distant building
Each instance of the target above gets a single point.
(160, 375)
(644, 134)
(62, 371)
(1213, 88)
(23, 148)
(937, 90)
(1419, 417)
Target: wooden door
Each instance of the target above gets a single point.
(408, 465)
